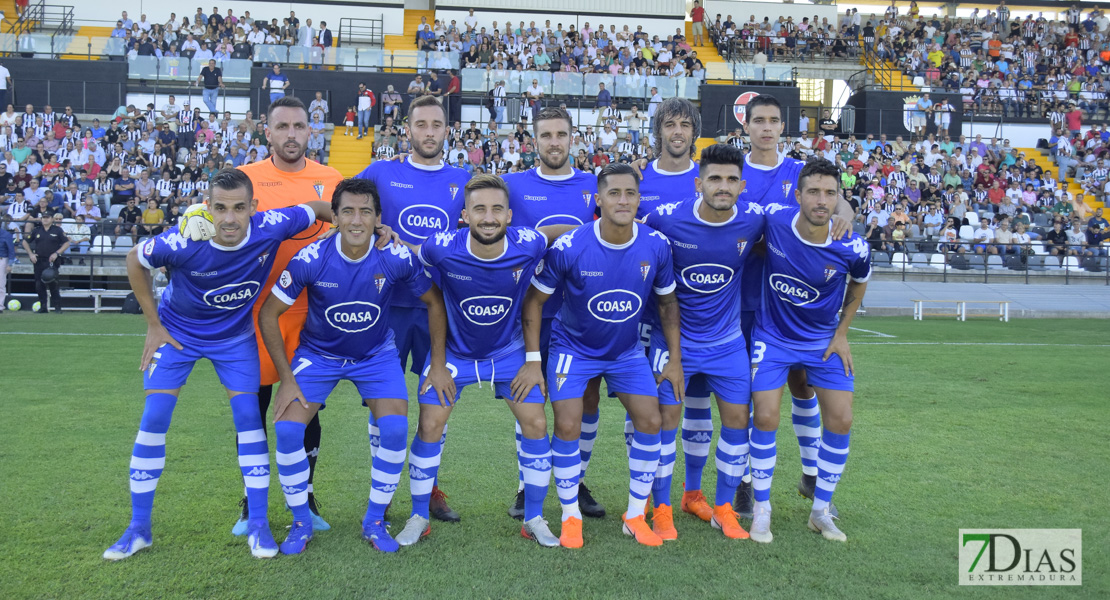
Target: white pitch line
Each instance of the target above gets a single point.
(73, 334)
(873, 333)
(1014, 344)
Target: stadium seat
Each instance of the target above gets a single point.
(898, 261)
(880, 259)
(967, 232)
(977, 262)
(1036, 263)
(972, 218)
(859, 228)
(1038, 247)
(919, 81)
(915, 231)
(994, 261)
(1015, 263)
(1071, 263)
(113, 213)
(123, 244)
(101, 244)
(936, 261)
(920, 259)
(1040, 220)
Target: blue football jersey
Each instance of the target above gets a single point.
(212, 287)
(804, 283)
(664, 187)
(537, 200)
(765, 185)
(348, 300)
(709, 260)
(417, 202)
(605, 288)
(483, 297)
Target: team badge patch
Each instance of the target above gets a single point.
(379, 281)
(319, 187)
(559, 381)
(588, 196)
(454, 188)
(516, 274)
(645, 268)
(263, 257)
(740, 245)
(786, 185)
(539, 267)
(830, 272)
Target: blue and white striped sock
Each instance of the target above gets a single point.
(668, 448)
(423, 468)
(292, 465)
(586, 440)
(697, 436)
(806, 417)
(375, 436)
(643, 462)
(763, 456)
(566, 461)
(628, 431)
(148, 458)
(732, 458)
(830, 466)
(519, 468)
(385, 471)
(254, 452)
(535, 459)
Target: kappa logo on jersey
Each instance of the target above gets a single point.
(516, 274)
(706, 278)
(830, 272)
(424, 220)
(859, 246)
(353, 317)
(286, 279)
(309, 253)
(564, 240)
(772, 208)
(614, 306)
(232, 295)
(272, 217)
(379, 281)
(666, 209)
(175, 241)
(444, 238)
(793, 290)
(645, 268)
(527, 236)
(319, 187)
(740, 245)
(486, 310)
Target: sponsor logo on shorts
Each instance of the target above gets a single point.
(232, 295)
(486, 310)
(615, 306)
(353, 317)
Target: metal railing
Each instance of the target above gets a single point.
(802, 50)
(40, 16)
(582, 85)
(362, 31)
(84, 96)
(1010, 263)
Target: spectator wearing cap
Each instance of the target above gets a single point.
(45, 245)
(392, 103)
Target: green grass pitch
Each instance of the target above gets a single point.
(949, 433)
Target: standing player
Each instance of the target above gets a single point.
(807, 284)
(710, 240)
(420, 197)
(484, 271)
(285, 179)
(672, 178)
(604, 268)
(769, 179)
(555, 193)
(206, 313)
(349, 284)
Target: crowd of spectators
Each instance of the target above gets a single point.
(785, 39)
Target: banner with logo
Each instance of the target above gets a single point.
(724, 107)
(892, 113)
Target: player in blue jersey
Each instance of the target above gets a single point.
(670, 177)
(710, 240)
(555, 193)
(420, 196)
(608, 269)
(206, 313)
(809, 278)
(346, 336)
(772, 178)
(484, 270)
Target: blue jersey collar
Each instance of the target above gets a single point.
(697, 215)
(354, 261)
(655, 165)
(794, 230)
(425, 167)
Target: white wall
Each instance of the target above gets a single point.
(1020, 136)
(653, 26)
(740, 11)
(631, 9)
(108, 11)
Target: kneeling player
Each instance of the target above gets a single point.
(484, 271)
(206, 313)
(797, 327)
(346, 336)
(604, 269)
(710, 240)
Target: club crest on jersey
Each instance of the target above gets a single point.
(454, 188)
(262, 257)
(516, 274)
(645, 268)
(786, 185)
(741, 243)
(830, 272)
(379, 281)
(319, 187)
(559, 381)
(588, 196)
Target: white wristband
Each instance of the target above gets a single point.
(533, 357)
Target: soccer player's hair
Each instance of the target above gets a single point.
(486, 181)
(722, 154)
(285, 102)
(551, 113)
(670, 108)
(818, 166)
(763, 100)
(357, 187)
(427, 100)
(612, 169)
(230, 180)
